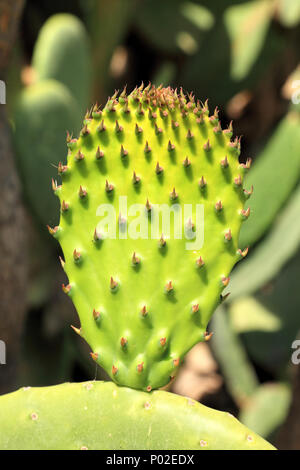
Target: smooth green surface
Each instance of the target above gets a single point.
(101, 415)
(62, 53)
(159, 340)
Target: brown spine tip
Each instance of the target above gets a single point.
(243, 253)
(123, 342)
(225, 281)
(94, 356)
(207, 336)
(96, 235)
(173, 195)
(123, 152)
(245, 213)
(189, 135)
(140, 367)
(247, 165)
(147, 147)
(186, 162)
(170, 146)
(64, 206)
(135, 259)
(54, 185)
(158, 130)
(224, 162)
(66, 289)
(148, 205)
(101, 127)
(149, 388)
(176, 362)
(99, 154)
(218, 206)
(76, 255)
(218, 128)
(248, 193)
(195, 308)
(144, 311)
(113, 283)
(169, 286)
(200, 262)
(175, 124)
(202, 182)
(228, 235)
(136, 179)
(51, 230)
(82, 192)
(114, 370)
(158, 169)
(118, 128)
(163, 341)
(108, 187)
(77, 330)
(79, 156)
(207, 146)
(162, 241)
(238, 180)
(96, 314)
(138, 129)
(84, 131)
(62, 168)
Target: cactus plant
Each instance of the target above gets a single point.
(144, 302)
(107, 417)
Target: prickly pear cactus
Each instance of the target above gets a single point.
(144, 301)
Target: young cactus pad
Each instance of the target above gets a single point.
(144, 302)
(107, 417)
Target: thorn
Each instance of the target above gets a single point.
(82, 192)
(66, 289)
(123, 342)
(51, 230)
(173, 195)
(159, 169)
(247, 165)
(96, 236)
(84, 131)
(96, 314)
(163, 341)
(162, 241)
(79, 156)
(126, 107)
(228, 235)
(144, 311)
(99, 154)
(138, 130)
(77, 330)
(200, 262)
(114, 370)
(218, 128)
(148, 205)
(224, 162)
(200, 119)
(54, 185)
(176, 362)
(245, 213)
(189, 225)
(140, 109)
(248, 193)
(76, 255)
(108, 186)
(189, 135)
(164, 113)
(94, 356)
(62, 168)
(218, 206)
(135, 259)
(225, 280)
(195, 308)
(175, 124)
(186, 162)
(113, 283)
(136, 179)
(238, 180)
(158, 130)
(124, 152)
(101, 127)
(147, 148)
(170, 146)
(61, 262)
(243, 253)
(224, 297)
(202, 182)
(152, 115)
(123, 94)
(207, 146)
(207, 336)
(229, 130)
(118, 128)
(169, 286)
(64, 206)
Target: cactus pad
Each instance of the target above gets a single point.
(144, 302)
(107, 417)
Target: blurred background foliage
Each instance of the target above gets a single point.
(243, 55)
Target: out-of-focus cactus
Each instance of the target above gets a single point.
(97, 415)
(144, 301)
(62, 53)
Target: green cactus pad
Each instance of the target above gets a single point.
(143, 303)
(107, 417)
